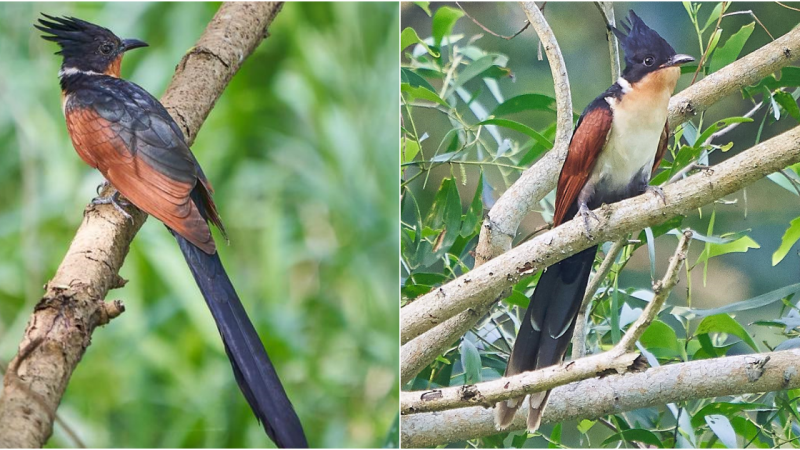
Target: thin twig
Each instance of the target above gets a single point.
(730, 127)
(662, 289)
(708, 47)
(787, 6)
(607, 11)
(508, 38)
(737, 13)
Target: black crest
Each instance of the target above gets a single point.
(645, 50)
(73, 35)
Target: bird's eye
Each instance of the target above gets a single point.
(106, 48)
(649, 60)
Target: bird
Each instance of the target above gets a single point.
(124, 132)
(617, 145)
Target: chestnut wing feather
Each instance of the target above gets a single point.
(588, 140)
(662, 148)
(132, 140)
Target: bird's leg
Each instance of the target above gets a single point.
(586, 213)
(658, 193)
(114, 200)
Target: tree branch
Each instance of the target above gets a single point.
(597, 397)
(607, 11)
(496, 234)
(619, 359)
(416, 354)
(60, 329)
(491, 279)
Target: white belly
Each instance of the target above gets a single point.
(633, 140)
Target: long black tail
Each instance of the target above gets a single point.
(253, 370)
(546, 329)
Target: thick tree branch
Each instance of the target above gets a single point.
(619, 359)
(496, 234)
(418, 353)
(489, 281)
(597, 397)
(60, 329)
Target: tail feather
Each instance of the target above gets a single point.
(252, 368)
(537, 403)
(505, 411)
(546, 329)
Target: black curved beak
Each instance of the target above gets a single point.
(130, 44)
(679, 59)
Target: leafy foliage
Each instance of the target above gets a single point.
(300, 155)
(468, 131)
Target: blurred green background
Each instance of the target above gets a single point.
(301, 149)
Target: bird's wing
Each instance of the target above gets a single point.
(128, 136)
(588, 140)
(662, 148)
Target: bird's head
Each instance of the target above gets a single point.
(645, 50)
(86, 47)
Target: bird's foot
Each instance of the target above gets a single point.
(586, 213)
(115, 200)
(658, 193)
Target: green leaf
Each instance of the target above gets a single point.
(714, 41)
(752, 303)
(409, 36)
(635, 435)
(714, 15)
(724, 408)
(718, 125)
(790, 77)
(585, 425)
(519, 440)
(524, 129)
(555, 436)
(525, 102)
(497, 72)
(474, 69)
(721, 426)
(422, 93)
(741, 245)
(660, 335)
(443, 21)
(445, 215)
(414, 80)
(475, 211)
(410, 150)
(789, 238)
(426, 6)
(723, 323)
(471, 360)
(788, 103)
(733, 46)
(517, 298)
